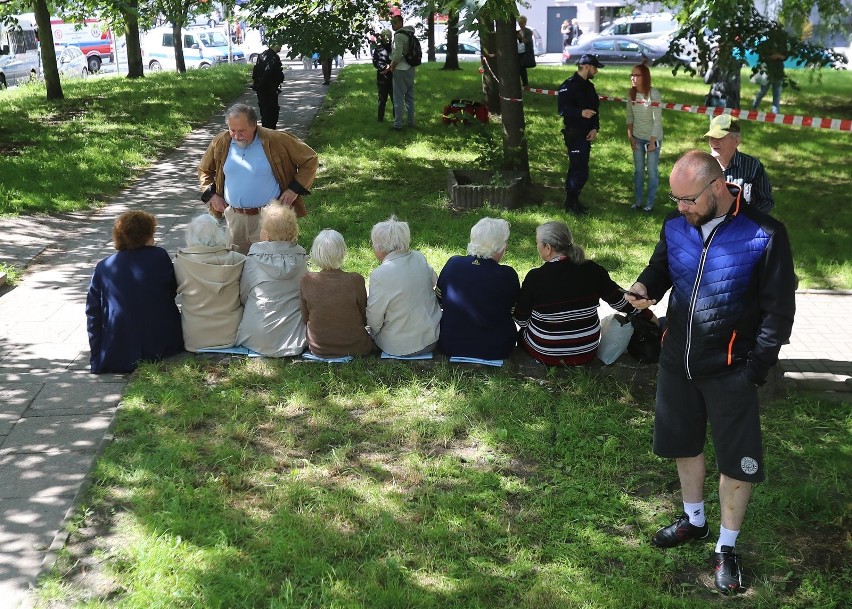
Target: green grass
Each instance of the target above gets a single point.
(107, 130)
(369, 172)
(278, 484)
(80, 151)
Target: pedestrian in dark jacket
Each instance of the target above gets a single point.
(732, 302)
(578, 105)
(384, 78)
(131, 315)
(267, 76)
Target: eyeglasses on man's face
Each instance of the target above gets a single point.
(690, 200)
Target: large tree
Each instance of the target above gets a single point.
(496, 22)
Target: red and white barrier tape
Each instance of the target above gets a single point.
(835, 124)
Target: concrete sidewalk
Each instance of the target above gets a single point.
(55, 416)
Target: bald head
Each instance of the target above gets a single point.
(699, 186)
(698, 165)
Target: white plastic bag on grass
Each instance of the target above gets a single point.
(615, 334)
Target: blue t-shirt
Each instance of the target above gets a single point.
(249, 181)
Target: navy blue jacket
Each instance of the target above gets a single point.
(733, 297)
(575, 95)
(477, 296)
(131, 312)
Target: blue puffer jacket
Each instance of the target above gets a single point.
(733, 297)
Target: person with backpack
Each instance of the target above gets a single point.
(267, 76)
(406, 56)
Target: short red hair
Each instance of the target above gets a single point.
(133, 229)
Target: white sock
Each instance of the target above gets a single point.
(695, 511)
(726, 538)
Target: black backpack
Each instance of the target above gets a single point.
(414, 56)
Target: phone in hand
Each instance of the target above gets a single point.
(635, 295)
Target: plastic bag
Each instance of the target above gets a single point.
(615, 335)
(522, 48)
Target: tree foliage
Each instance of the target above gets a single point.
(310, 26)
(725, 31)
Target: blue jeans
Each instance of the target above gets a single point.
(653, 161)
(776, 95)
(403, 97)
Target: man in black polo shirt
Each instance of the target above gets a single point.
(578, 106)
(739, 168)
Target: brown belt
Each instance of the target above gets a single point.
(247, 211)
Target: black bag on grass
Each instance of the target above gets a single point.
(645, 344)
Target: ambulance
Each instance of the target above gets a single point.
(91, 36)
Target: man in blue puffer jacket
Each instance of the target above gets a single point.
(730, 270)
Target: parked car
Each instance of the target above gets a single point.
(468, 51)
(202, 48)
(616, 50)
(71, 62)
(641, 26)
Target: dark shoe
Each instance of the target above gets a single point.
(574, 206)
(728, 576)
(395, 128)
(637, 206)
(678, 532)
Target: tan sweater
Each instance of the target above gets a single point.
(334, 305)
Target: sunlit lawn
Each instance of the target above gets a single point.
(277, 484)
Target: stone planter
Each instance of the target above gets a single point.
(472, 188)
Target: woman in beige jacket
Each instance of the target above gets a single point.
(272, 322)
(208, 274)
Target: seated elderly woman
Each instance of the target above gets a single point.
(131, 313)
(558, 305)
(269, 289)
(402, 309)
(334, 302)
(478, 295)
(208, 275)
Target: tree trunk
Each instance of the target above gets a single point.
(48, 55)
(430, 37)
(452, 58)
(133, 48)
(490, 72)
(180, 62)
(515, 155)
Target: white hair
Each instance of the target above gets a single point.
(329, 249)
(488, 237)
(205, 230)
(392, 235)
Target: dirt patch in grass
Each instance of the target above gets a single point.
(8, 148)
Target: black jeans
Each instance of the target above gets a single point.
(267, 102)
(384, 84)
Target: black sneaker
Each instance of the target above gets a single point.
(678, 532)
(728, 576)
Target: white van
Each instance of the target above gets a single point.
(643, 26)
(19, 53)
(202, 48)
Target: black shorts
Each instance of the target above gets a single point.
(729, 402)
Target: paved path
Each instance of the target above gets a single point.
(55, 416)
